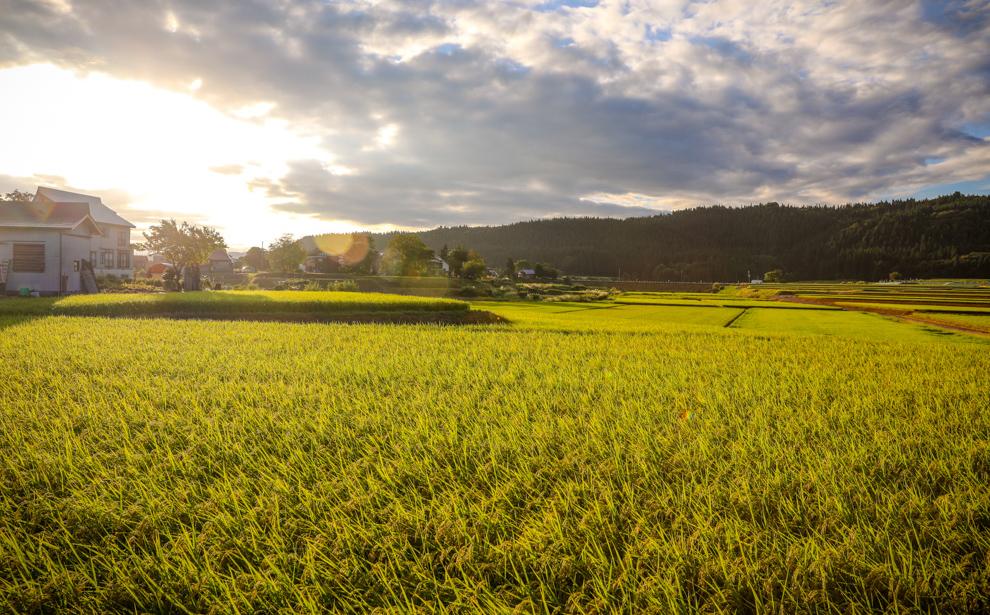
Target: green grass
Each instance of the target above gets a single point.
(228, 303)
(850, 324)
(582, 459)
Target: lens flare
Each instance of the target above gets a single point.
(349, 248)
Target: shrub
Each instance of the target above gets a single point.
(343, 286)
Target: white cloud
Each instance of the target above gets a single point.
(478, 112)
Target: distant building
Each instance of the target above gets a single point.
(321, 262)
(59, 241)
(437, 266)
(219, 262)
(156, 270)
(756, 281)
(526, 274)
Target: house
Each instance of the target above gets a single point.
(321, 262)
(526, 274)
(59, 241)
(437, 266)
(157, 270)
(219, 262)
(110, 253)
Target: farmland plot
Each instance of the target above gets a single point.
(153, 466)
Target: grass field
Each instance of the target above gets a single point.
(849, 324)
(605, 316)
(227, 303)
(583, 458)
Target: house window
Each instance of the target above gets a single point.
(92, 258)
(123, 259)
(122, 237)
(106, 259)
(29, 257)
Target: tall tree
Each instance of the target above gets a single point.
(473, 269)
(286, 254)
(186, 246)
(256, 257)
(406, 255)
(456, 259)
(510, 268)
(368, 261)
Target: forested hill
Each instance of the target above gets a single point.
(947, 236)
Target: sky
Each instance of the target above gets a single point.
(262, 118)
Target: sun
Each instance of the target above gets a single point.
(171, 153)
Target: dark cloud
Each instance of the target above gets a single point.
(520, 111)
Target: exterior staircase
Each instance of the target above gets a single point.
(87, 278)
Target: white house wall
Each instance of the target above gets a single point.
(109, 241)
(74, 249)
(62, 251)
(47, 281)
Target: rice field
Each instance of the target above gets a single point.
(581, 458)
(605, 316)
(228, 303)
(713, 300)
(979, 322)
(849, 324)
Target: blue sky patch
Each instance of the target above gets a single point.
(657, 34)
(978, 186)
(980, 130)
(447, 49)
(724, 47)
(556, 5)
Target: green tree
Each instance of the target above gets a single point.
(774, 276)
(285, 254)
(256, 257)
(186, 246)
(473, 269)
(406, 255)
(510, 269)
(546, 272)
(456, 259)
(367, 264)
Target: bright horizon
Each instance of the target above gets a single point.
(316, 118)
